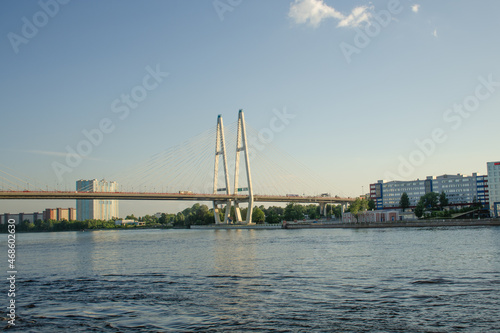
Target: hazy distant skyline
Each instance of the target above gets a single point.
(377, 89)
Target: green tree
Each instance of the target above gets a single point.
(201, 213)
(273, 218)
(150, 220)
(179, 219)
(443, 200)
(430, 200)
(312, 211)
(419, 209)
(273, 214)
(38, 224)
(131, 217)
(209, 217)
(358, 206)
(48, 225)
(337, 211)
(258, 215)
(163, 218)
(404, 202)
(294, 212)
(371, 204)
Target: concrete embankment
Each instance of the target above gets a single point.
(237, 226)
(326, 224)
(398, 224)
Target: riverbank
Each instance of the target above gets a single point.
(305, 225)
(237, 226)
(337, 224)
(397, 224)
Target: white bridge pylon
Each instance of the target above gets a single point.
(220, 151)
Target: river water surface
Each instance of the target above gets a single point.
(372, 280)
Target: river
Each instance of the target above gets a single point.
(440, 279)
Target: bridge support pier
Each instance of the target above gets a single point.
(343, 207)
(217, 211)
(242, 146)
(322, 208)
(220, 151)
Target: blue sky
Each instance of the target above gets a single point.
(356, 118)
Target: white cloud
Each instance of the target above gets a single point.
(435, 33)
(315, 11)
(415, 8)
(358, 15)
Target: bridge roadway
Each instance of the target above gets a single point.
(67, 195)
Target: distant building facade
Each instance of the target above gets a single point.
(459, 189)
(494, 187)
(59, 214)
(96, 209)
(21, 217)
(387, 195)
(463, 190)
(129, 222)
(378, 216)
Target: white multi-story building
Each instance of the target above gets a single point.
(494, 187)
(462, 190)
(96, 209)
(388, 194)
(459, 189)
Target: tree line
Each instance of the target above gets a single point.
(429, 205)
(433, 204)
(194, 215)
(201, 214)
(64, 225)
(294, 211)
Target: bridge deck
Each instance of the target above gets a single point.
(68, 195)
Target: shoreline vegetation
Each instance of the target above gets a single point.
(310, 224)
(195, 215)
(200, 216)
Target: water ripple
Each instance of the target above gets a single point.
(389, 281)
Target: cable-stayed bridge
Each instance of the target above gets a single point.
(190, 172)
(78, 195)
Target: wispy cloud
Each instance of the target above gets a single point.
(415, 8)
(315, 11)
(435, 33)
(55, 153)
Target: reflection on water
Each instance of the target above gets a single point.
(390, 280)
(234, 252)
